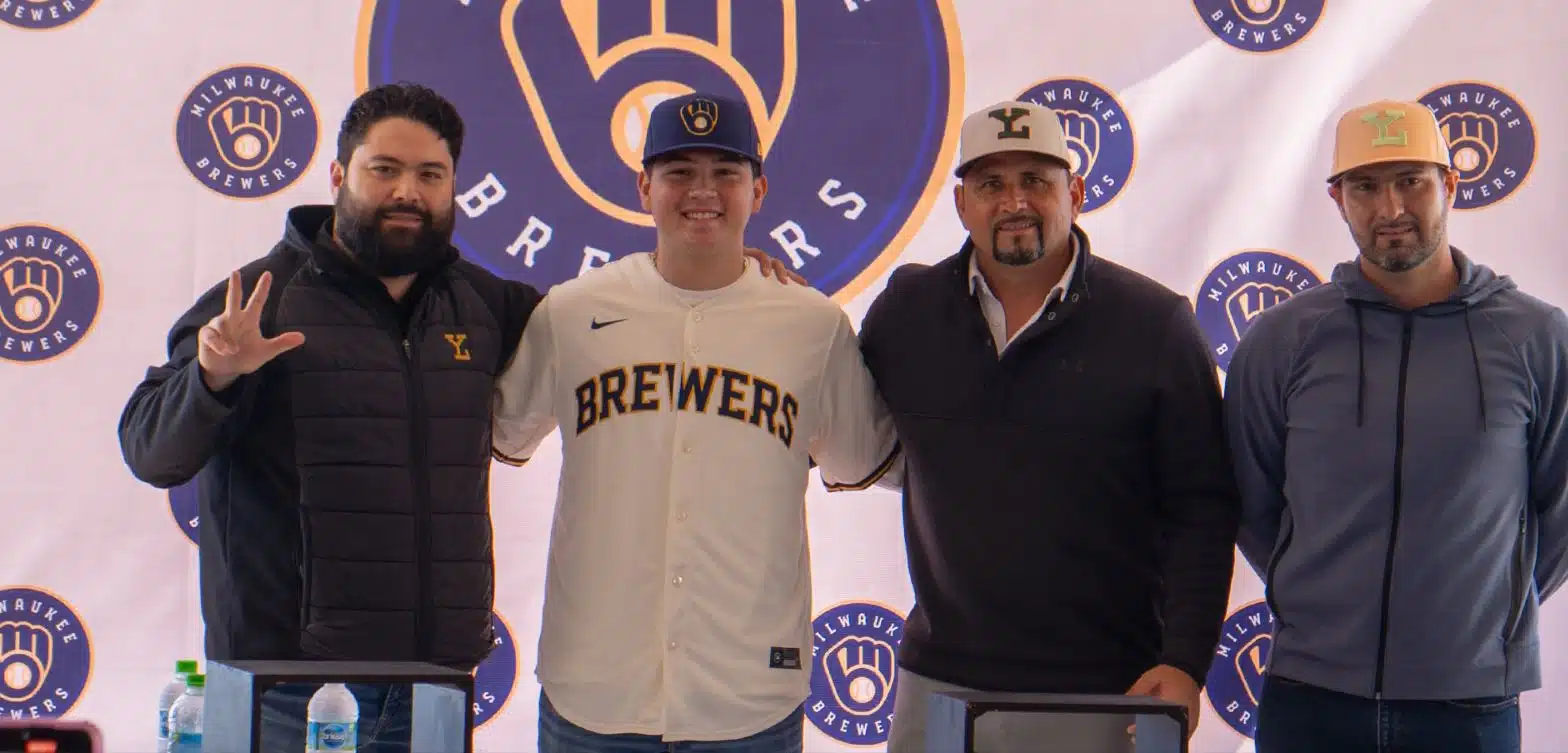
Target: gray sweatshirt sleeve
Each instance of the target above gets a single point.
(1255, 428)
(1549, 452)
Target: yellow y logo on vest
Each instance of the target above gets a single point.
(459, 353)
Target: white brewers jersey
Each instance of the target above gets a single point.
(678, 585)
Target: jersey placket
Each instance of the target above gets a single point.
(685, 481)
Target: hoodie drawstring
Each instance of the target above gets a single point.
(1475, 360)
(1361, 367)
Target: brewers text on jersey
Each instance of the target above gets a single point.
(767, 403)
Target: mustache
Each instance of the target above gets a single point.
(1405, 224)
(422, 213)
(1028, 217)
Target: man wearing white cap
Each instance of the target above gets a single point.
(1070, 510)
(1401, 441)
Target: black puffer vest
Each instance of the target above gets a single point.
(392, 443)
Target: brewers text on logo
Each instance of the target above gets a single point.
(45, 654)
(1235, 679)
(1260, 25)
(247, 132)
(1242, 286)
(496, 675)
(854, 672)
(1491, 140)
(50, 293)
(857, 108)
(43, 15)
(1099, 135)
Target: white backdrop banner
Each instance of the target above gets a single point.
(1202, 129)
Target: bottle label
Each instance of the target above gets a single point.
(163, 725)
(336, 736)
(184, 741)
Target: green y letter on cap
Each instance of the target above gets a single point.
(1007, 116)
(1381, 121)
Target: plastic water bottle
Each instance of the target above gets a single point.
(332, 720)
(166, 698)
(185, 716)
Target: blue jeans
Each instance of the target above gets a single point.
(1297, 718)
(556, 735)
(386, 717)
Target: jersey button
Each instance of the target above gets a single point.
(687, 449)
(680, 516)
(696, 316)
(677, 580)
(672, 645)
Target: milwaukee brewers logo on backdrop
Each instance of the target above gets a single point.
(496, 675)
(857, 106)
(854, 672)
(1491, 140)
(185, 509)
(1235, 679)
(1242, 286)
(50, 293)
(1260, 25)
(1099, 135)
(43, 15)
(247, 131)
(45, 654)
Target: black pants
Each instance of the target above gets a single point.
(1297, 718)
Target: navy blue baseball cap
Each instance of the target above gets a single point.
(701, 121)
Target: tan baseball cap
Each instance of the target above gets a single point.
(1011, 127)
(1387, 131)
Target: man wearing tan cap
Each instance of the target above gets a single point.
(1401, 441)
(1070, 510)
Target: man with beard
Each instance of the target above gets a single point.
(1069, 507)
(1402, 449)
(333, 399)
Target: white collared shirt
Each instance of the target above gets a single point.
(678, 584)
(991, 306)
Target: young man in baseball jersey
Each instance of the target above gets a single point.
(692, 396)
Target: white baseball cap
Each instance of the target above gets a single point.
(1011, 127)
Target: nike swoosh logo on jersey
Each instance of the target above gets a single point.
(596, 324)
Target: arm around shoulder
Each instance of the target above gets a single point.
(524, 412)
(856, 445)
(1548, 360)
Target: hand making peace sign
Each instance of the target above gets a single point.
(231, 345)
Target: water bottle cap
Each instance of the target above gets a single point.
(185, 666)
(196, 680)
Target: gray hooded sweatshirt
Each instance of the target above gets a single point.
(1404, 477)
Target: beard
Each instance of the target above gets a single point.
(392, 251)
(1401, 253)
(1025, 249)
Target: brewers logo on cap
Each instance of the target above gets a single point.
(700, 116)
(701, 121)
